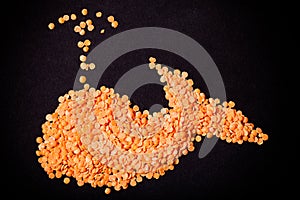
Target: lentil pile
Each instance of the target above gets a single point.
(98, 137)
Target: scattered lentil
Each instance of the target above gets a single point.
(89, 22)
(87, 42)
(73, 17)
(92, 66)
(198, 138)
(114, 24)
(90, 27)
(84, 11)
(51, 26)
(82, 32)
(82, 58)
(85, 48)
(77, 29)
(82, 79)
(66, 180)
(39, 140)
(107, 190)
(82, 24)
(61, 20)
(66, 18)
(152, 60)
(83, 66)
(80, 44)
(98, 14)
(110, 18)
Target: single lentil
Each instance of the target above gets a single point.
(51, 26)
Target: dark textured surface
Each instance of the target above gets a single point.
(242, 39)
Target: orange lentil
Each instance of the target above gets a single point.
(87, 42)
(82, 58)
(265, 137)
(135, 108)
(86, 87)
(198, 138)
(39, 140)
(82, 32)
(80, 183)
(85, 49)
(98, 14)
(107, 190)
(115, 24)
(66, 18)
(77, 29)
(82, 24)
(139, 179)
(61, 20)
(185, 152)
(149, 175)
(51, 176)
(51, 26)
(92, 66)
(90, 27)
(73, 17)
(191, 148)
(176, 72)
(190, 82)
(231, 104)
(82, 79)
(84, 11)
(58, 174)
(133, 182)
(66, 180)
(152, 60)
(83, 66)
(156, 175)
(38, 153)
(80, 44)
(110, 18)
(88, 22)
(260, 141)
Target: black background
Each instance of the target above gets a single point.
(40, 65)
